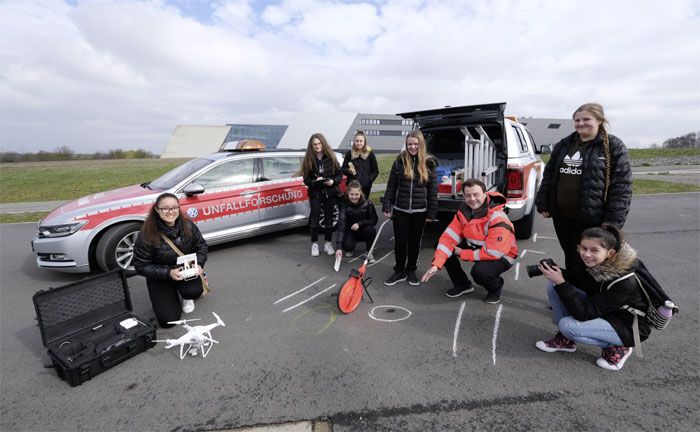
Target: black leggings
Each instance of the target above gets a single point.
(408, 232)
(365, 233)
(328, 204)
(165, 297)
(569, 233)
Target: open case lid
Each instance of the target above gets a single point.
(80, 305)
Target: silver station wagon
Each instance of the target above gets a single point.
(231, 195)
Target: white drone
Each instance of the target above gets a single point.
(197, 337)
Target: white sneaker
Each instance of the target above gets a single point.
(328, 247)
(314, 249)
(187, 306)
(370, 259)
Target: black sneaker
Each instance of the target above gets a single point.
(396, 277)
(412, 278)
(492, 298)
(458, 291)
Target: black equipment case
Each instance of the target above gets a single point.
(81, 325)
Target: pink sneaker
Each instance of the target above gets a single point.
(614, 357)
(558, 343)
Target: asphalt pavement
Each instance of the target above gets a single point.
(414, 360)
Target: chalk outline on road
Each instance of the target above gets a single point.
(371, 313)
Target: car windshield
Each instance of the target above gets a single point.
(175, 176)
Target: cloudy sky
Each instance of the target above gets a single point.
(99, 75)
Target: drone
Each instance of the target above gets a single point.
(197, 337)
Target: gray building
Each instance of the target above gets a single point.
(547, 131)
(384, 132)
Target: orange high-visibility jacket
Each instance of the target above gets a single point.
(487, 230)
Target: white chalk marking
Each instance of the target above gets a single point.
(456, 332)
(371, 313)
(530, 250)
(297, 292)
(308, 299)
(380, 259)
(517, 270)
(495, 333)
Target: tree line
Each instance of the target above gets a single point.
(64, 153)
(691, 140)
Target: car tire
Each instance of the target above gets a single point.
(523, 227)
(116, 247)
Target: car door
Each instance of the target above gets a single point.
(229, 206)
(283, 196)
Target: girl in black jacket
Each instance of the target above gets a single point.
(411, 198)
(588, 306)
(360, 163)
(586, 182)
(155, 259)
(322, 176)
(356, 221)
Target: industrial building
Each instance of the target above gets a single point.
(384, 132)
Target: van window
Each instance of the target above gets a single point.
(521, 139)
(279, 167)
(231, 173)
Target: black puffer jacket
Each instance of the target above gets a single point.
(604, 299)
(362, 213)
(157, 261)
(317, 188)
(593, 209)
(411, 195)
(365, 166)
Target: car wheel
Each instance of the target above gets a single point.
(523, 227)
(116, 247)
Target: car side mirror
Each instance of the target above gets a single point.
(193, 189)
(545, 149)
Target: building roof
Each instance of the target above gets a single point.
(194, 141)
(333, 125)
(547, 131)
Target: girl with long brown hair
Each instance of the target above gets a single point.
(322, 176)
(411, 199)
(156, 260)
(360, 163)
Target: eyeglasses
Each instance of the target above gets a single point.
(168, 209)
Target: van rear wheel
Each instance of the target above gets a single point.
(116, 247)
(523, 227)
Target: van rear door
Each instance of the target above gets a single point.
(463, 115)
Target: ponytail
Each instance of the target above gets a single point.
(610, 236)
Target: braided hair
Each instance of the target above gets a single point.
(597, 111)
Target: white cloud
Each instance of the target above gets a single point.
(123, 74)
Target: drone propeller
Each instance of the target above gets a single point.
(219, 320)
(162, 340)
(185, 321)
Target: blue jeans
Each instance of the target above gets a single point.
(597, 332)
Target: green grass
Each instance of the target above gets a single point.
(641, 186)
(50, 181)
(653, 153)
(21, 217)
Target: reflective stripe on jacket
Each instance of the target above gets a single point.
(487, 231)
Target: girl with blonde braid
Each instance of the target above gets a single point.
(587, 181)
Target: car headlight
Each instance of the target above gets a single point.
(61, 230)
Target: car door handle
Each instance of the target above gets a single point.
(249, 192)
